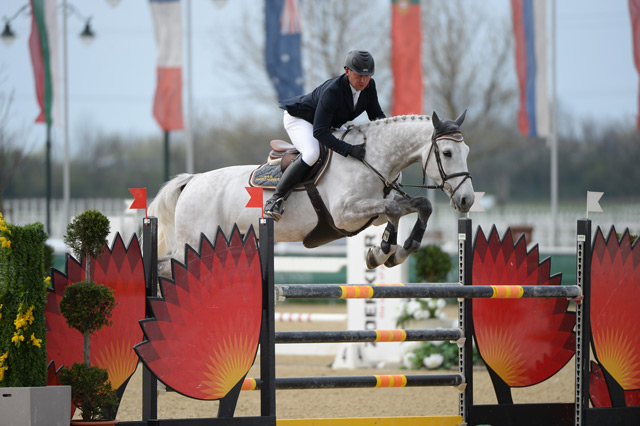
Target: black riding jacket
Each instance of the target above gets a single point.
(330, 105)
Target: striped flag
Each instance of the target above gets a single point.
(530, 30)
(406, 57)
(43, 46)
(282, 47)
(634, 12)
(167, 106)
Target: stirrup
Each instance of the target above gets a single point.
(275, 211)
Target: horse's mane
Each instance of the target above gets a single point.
(395, 119)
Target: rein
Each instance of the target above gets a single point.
(395, 186)
(388, 186)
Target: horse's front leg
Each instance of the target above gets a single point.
(355, 210)
(412, 244)
(376, 256)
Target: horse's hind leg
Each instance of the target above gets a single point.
(164, 267)
(412, 244)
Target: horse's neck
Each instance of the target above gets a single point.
(398, 144)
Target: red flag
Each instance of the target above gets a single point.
(139, 199)
(255, 192)
(634, 11)
(167, 104)
(405, 57)
(43, 45)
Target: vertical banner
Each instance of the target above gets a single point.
(371, 314)
(530, 32)
(167, 22)
(406, 57)
(634, 13)
(282, 47)
(43, 46)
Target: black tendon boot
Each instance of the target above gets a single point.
(290, 178)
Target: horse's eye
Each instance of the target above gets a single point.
(447, 153)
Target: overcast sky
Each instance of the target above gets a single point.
(112, 81)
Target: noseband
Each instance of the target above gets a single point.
(456, 137)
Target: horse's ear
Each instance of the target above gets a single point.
(460, 119)
(436, 120)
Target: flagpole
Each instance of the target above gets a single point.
(48, 172)
(188, 124)
(166, 155)
(553, 134)
(65, 169)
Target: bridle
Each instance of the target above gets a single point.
(394, 185)
(456, 137)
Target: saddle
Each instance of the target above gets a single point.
(268, 174)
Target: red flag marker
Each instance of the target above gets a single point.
(256, 198)
(139, 199)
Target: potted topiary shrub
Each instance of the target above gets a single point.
(87, 306)
(24, 397)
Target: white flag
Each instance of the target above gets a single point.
(477, 206)
(592, 202)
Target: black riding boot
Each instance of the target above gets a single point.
(290, 178)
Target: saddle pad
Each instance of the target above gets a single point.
(268, 175)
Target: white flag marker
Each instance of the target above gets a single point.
(593, 204)
(477, 207)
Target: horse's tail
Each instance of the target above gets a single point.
(164, 208)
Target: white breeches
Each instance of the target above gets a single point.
(301, 133)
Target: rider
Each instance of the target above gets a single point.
(310, 118)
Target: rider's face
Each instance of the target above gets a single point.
(359, 82)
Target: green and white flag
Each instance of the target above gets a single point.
(43, 44)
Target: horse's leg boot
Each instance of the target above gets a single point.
(290, 178)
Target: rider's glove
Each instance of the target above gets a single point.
(357, 151)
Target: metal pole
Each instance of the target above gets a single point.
(48, 177)
(150, 262)
(66, 180)
(189, 121)
(166, 155)
(465, 319)
(267, 332)
(553, 135)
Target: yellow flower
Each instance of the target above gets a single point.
(3, 357)
(5, 242)
(17, 338)
(29, 315)
(34, 341)
(20, 322)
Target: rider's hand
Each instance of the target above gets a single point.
(358, 151)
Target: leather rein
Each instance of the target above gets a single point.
(394, 185)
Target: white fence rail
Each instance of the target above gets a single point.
(22, 211)
(442, 226)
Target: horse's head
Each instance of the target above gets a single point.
(446, 162)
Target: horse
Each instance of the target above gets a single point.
(354, 194)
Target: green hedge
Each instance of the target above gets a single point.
(23, 353)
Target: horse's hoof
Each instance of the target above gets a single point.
(372, 262)
(391, 262)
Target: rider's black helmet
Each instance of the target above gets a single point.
(360, 61)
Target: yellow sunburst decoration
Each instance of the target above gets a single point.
(225, 371)
(503, 354)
